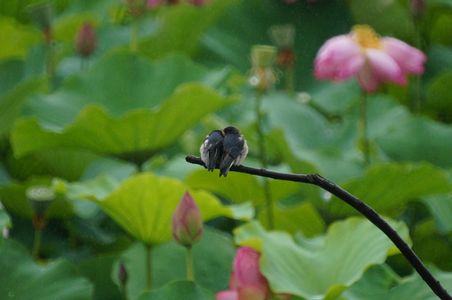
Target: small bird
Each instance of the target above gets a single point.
(212, 149)
(235, 149)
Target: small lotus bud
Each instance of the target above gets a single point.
(40, 197)
(417, 7)
(85, 42)
(187, 222)
(263, 56)
(123, 276)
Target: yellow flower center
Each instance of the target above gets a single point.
(366, 36)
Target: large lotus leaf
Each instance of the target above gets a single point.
(347, 250)
(180, 28)
(97, 269)
(212, 258)
(11, 73)
(375, 284)
(302, 217)
(236, 187)
(187, 290)
(432, 245)
(388, 187)
(381, 283)
(120, 81)
(14, 199)
(11, 104)
(137, 133)
(418, 139)
(441, 209)
(23, 279)
(144, 204)
(388, 18)
(16, 38)
(65, 163)
(438, 96)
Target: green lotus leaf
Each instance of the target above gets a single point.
(144, 204)
(23, 279)
(109, 85)
(324, 269)
(236, 187)
(135, 135)
(388, 187)
(441, 209)
(16, 38)
(181, 27)
(418, 139)
(382, 283)
(293, 218)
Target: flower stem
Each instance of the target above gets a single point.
(37, 243)
(416, 99)
(363, 139)
(290, 79)
(263, 159)
(189, 261)
(148, 267)
(134, 36)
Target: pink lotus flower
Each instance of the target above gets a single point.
(247, 282)
(187, 222)
(372, 59)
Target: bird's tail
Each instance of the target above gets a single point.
(225, 165)
(213, 161)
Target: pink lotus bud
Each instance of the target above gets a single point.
(247, 282)
(85, 42)
(187, 222)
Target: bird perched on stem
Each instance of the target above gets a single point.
(235, 149)
(212, 149)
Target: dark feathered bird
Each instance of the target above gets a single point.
(212, 149)
(235, 149)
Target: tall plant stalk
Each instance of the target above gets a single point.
(263, 158)
(189, 262)
(148, 266)
(362, 129)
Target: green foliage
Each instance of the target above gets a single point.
(325, 269)
(212, 265)
(22, 278)
(381, 282)
(144, 204)
(178, 290)
(109, 134)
